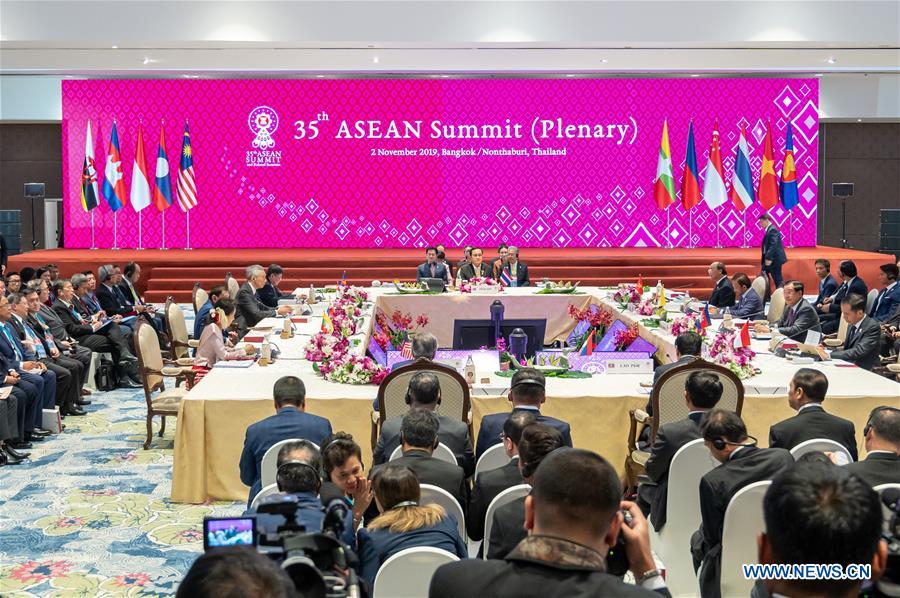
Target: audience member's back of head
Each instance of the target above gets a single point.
(299, 467)
(235, 572)
(424, 345)
(885, 422)
(527, 387)
(538, 441)
(424, 389)
(688, 343)
(724, 424)
(397, 494)
(419, 429)
(289, 390)
(813, 382)
(515, 423)
(703, 388)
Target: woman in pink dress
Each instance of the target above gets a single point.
(212, 340)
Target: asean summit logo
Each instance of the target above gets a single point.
(263, 122)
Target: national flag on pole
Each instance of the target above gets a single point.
(714, 180)
(406, 349)
(640, 284)
(327, 325)
(505, 277)
(187, 188)
(588, 347)
(664, 186)
(162, 194)
(788, 187)
(662, 296)
(113, 182)
(703, 320)
(742, 180)
(767, 192)
(140, 183)
(745, 334)
(690, 182)
(89, 193)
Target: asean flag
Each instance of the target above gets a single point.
(767, 192)
(788, 188)
(742, 181)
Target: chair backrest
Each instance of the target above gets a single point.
(232, 285)
(408, 573)
(198, 297)
(870, 300)
(842, 329)
(177, 328)
(455, 400)
(492, 458)
(268, 468)
(759, 285)
(266, 491)
(821, 444)
(743, 522)
(432, 495)
(507, 496)
(149, 358)
(442, 452)
(776, 306)
(668, 392)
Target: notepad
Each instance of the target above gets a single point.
(253, 339)
(237, 363)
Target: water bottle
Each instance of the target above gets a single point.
(311, 298)
(266, 352)
(659, 289)
(470, 371)
(727, 324)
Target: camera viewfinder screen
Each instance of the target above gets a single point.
(229, 532)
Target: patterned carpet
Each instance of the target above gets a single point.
(90, 515)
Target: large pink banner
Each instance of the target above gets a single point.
(411, 162)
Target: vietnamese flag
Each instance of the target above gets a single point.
(767, 191)
(690, 182)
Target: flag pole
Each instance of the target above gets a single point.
(718, 241)
(115, 246)
(669, 227)
(791, 228)
(140, 230)
(744, 232)
(93, 245)
(164, 230)
(188, 216)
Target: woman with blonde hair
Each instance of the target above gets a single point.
(403, 523)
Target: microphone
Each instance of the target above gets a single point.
(891, 499)
(336, 508)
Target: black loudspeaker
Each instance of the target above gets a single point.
(842, 189)
(890, 231)
(34, 190)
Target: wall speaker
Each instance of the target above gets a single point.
(34, 190)
(842, 189)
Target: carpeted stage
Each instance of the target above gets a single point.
(173, 272)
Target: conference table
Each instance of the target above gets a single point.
(215, 414)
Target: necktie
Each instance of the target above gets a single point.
(432, 270)
(77, 315)
(137, 299)
(792, 316)
(851, 334)
(877, 303)
(47, 334)
(38, 346)
(12, 342)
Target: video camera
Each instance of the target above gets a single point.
(889, 584)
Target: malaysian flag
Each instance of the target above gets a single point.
(186, 190)
(406, 350)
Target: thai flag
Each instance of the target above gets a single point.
(406, 350)
(742, 180)
(505, 277)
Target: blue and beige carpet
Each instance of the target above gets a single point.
(89, 514)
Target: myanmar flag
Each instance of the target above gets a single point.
(690, 183)
(664, 186)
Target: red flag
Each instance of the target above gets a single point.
(745, 334)
(640, 285)
(406, 350)
(767, 192)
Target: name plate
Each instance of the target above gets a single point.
(629, 366)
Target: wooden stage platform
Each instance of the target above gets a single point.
(173, 272)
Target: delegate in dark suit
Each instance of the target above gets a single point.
(29, 398)
(888, 299)
(250, 310)
(452, 432)
(520, 275)
(487, 486)
(723, 295)
(113, 303)
(108, 339)
(44, 382)
(657, 374)
(68, 372)
(507, 529)
(717, 488)
(269, 295)
(468, 271)
(828, 286)
(435, 270)
(435, 472)
(749, 306)
(46, 317)
(796, 321)
(879, 467)
(492, 426)
(862, 345)
(288, 423)
(855, 285)
(812, 421)
(773, 250)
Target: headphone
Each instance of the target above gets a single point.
(874, 411)
(302, 464)
(721, 443)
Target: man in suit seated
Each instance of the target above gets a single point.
(814, 514)
(488, 484)
(269, 294)
(806, 391)
(799, 317)
(419, 436)
(687, 348)
(573, 516)
(890, 334)
(476, 268)
(702, 391)
(290, 421)
(526, 393)
(508, 523)
(126, 285)
(749, 304)
(742, 463)
(424, 346)
(511, 271)
(862, 345)
(215, 293)
(882, 437)
(828, 286)
(773, 256)
(109, 297)
(250, 309)
(723, 292)
(889, 296)
(830, 310)
(424, 392)
(432, 268)
(44, 318)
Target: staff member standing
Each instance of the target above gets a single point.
(773, 256)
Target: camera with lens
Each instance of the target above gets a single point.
(889, 584)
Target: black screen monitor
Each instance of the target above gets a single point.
(469, 335)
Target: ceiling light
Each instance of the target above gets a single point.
(147, 60)
(375, 59)
(320, 76)
(115, 47)
(570, 75)
(695, 74)
(818, 74)
(859, 120)
(603, 60)
(831, 60)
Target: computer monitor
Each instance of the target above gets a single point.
(474, 334)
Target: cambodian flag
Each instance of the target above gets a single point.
(690, 182)
(742, 181)
(703, 319)
(788, 187)
(162, 194)
(114, 181)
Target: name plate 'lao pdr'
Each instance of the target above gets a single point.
(629, 366)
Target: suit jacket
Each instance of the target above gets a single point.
(22, 335)
(856, 286)
(542, 567)
(864, 347)
(270, 294)
(440, 271)
(289, 422)
(813, 422)
(57, 328)
(9, 348)
(492, 426)
(669, 438)
(488, 485)
(130, 292)
(507, 529)
(717, 488)
(723, 295)
(468, 271)
(828, 286)
(250, 310)
(773, 247)
(522, 279)
(885, 303)
(435, 472)
(877, 468)
(749, 306)
(112, 303)
(806, 319)
(452, 432)
(74, 327)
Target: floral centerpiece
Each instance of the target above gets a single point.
(351, 369)
(599, 320)
(647, 307)
(357, 295)
(623, 338)
(478, 283)
(391, 333)
(685, 323)
(329, 350)
(626, 294)
(737, 359)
